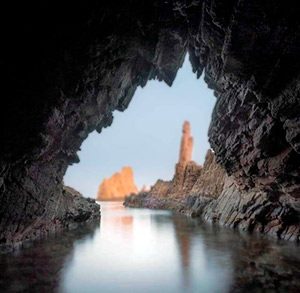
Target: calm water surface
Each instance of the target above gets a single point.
(141, 250)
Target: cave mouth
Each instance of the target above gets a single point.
(146, 137)
(67, 68)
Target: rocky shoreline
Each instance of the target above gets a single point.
(69, 212)
(209, 193)
(232, 209)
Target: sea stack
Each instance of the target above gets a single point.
(186, 170)
(186, 174)
(117, 186)
(186, 146)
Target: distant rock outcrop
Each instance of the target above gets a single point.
(189, 176)
(117, 186)
(190, 181)
(186, 171)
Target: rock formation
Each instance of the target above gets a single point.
(212, 195)
(189, 178)
(211, 180)
(252, 211)
(117, 186)
(186, 146)
(188, 184)
(186, 171)
(66, 67)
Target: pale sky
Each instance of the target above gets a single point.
(147, 135)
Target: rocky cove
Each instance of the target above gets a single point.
(66, 67)
(208, 192)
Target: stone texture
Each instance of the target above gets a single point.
(66, 67)
(79, 209)
(211, 180)
(253, 211)
(117, 186)
(66, 210)
(190, 181)
(160, 188)
(186, 146)
(215, 197)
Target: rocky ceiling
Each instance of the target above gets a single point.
(66, 67)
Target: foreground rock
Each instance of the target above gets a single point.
(68, 211)
(78, 208)
(249, 211)
(117, 186)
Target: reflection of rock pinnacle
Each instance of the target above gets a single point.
(187, 141)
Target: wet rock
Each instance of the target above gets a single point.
(79, 209)
(67, 210)
(252, 211)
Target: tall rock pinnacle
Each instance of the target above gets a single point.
(187, 141)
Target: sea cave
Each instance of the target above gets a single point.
(67, 67)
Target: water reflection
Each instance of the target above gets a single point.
(38, 268)
(139, 250)
(200, 264)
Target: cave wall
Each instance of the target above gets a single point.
(77, 64)
(252, 211)
(66, 67)
(251, 60)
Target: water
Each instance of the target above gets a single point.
(141, 250)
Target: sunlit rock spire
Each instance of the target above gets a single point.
(186, 147)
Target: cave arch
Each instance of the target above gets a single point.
(147, 134)
(66, 68)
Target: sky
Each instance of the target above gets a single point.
(147, 135)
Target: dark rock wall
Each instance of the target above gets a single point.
(210, 183)
(66, 67)
(250, 54)
(251, 211)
